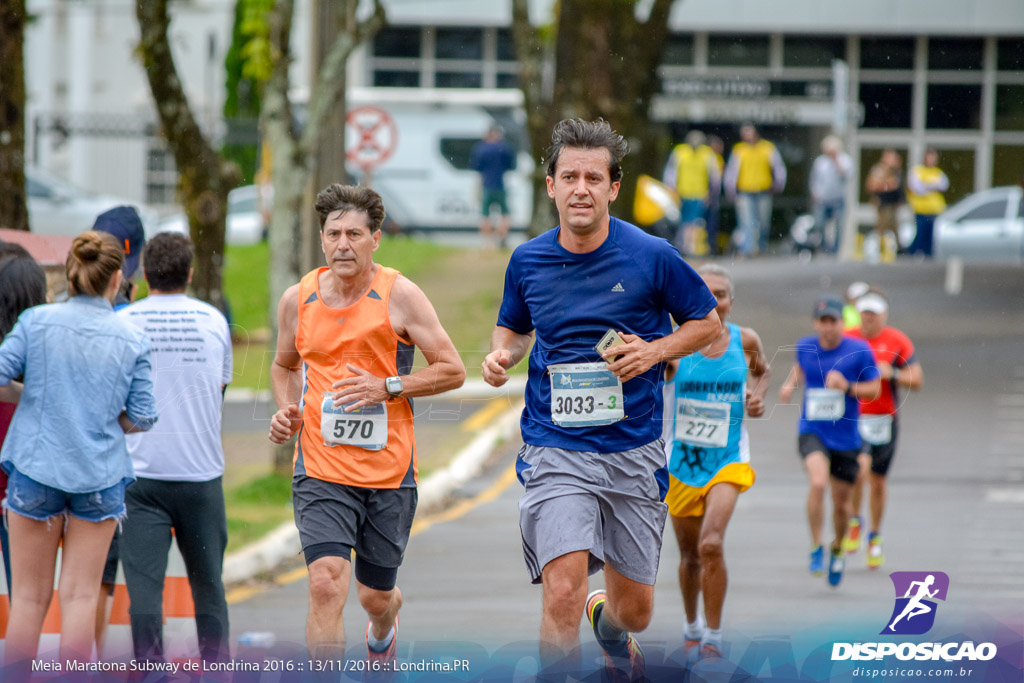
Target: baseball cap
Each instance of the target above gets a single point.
(856, 290)
(828, 306)
(123, 223)
(872, 303)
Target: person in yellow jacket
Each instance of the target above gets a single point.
(754, 173)
(925, 184)
(692, 170)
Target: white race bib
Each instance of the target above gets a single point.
(824, 404)
(702, 423)
(585, 395)
(366, 427)
(875, 429)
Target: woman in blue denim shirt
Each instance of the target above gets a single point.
(87, 383)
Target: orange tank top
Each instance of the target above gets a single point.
(361, 335)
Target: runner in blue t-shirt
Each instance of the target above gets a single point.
(593, 464)
(836, 371)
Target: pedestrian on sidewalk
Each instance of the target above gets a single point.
(22, 285)
(342, 373)
(87, 383)
(179, 464)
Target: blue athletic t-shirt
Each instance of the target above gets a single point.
(855, 360)
(633, 282)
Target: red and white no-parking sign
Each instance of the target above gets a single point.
(372, 136)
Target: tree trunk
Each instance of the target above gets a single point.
(604, 63)
(295, 152)
(13, 211)
(204, 178)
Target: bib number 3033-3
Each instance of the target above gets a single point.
(702, 423)
(585, 395)
(824, 404)
(366, 427)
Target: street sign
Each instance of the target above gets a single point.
(372, 136)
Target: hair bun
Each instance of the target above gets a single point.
(88, 247)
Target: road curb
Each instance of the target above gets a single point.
(283, 542)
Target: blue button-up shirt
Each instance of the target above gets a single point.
(83, 366)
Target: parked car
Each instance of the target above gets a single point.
(985, 226)
(56, 207)
(246, 221)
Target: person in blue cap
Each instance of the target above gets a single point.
(123, 222)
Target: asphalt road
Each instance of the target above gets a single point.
(956, 498)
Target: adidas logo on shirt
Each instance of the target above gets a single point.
(618, 287)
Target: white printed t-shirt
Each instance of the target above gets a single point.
(191, 361)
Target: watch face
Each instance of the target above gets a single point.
(393, 385)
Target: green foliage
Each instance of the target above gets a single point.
(248, 62)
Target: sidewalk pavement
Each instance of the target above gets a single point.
(449, 456)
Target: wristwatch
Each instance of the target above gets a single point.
(393, 385)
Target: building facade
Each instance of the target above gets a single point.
(912, 74)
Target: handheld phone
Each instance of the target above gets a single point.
(610, 339)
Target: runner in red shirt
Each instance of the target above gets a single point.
(897, 362)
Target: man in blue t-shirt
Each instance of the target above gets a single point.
(593, 463)
(836, 372)
(491, 158)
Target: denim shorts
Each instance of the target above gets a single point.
(28, 498)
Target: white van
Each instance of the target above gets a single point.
(423, 139)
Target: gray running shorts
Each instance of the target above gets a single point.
(607, 503)
(374, 522)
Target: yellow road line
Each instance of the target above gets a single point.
(485, 415)
(422, 524)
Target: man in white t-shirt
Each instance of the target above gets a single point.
(179, 467)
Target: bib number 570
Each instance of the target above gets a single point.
(362, 428)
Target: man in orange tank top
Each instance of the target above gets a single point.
(342, 378)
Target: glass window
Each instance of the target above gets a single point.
(1010, 54)
(506, 45)
(886, 105)
(508, 81)
(1008, 165)
(457, 151)
(737, 50)
(458, 79)
(459, 43)
(986, 211)
(958, 165)
(392, 41)
(383, 78)
(955, 53)
(36, 188)
(815, 51)
(887, 53)
(678, 50)
(1009, 107)
(953, 106)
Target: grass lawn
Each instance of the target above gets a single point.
(256, 508)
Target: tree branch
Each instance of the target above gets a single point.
(325, 92)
